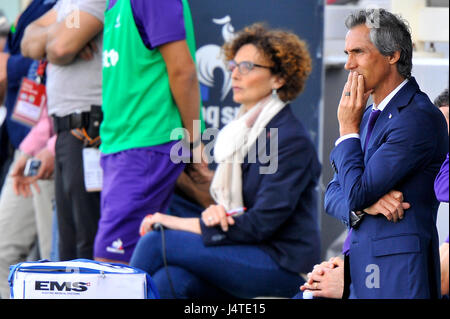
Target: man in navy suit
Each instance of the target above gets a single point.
(385, 161)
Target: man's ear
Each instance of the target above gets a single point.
(392, 59)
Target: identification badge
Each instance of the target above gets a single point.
(30, 102)
(93, 173)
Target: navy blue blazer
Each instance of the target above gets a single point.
(408, 144)
(282, 215)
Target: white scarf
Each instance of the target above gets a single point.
(233, 144)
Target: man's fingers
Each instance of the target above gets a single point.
(387, 205)
(36, 187)
(395, 207)
(338, 262)
(46, 173)
(93, 46)
(402, 207)
(41, 173)
(345, 90)
(383, 210)
(347, 85)
(318, 271)
(397, 195)
(394, 216)
(349, 80)
(316, 277)
(25, 190)
(86, 53)
(400, 212)
(21, 190)
(361, 97)
(354, 88)
(315, 285)
(15, 172)
(16, 187)
(392, 206)
(328, 264)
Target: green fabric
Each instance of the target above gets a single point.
(138, 106)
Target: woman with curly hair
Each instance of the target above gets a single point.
(262, 251)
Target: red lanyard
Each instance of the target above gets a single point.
(41, 70)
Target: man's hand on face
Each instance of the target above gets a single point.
(352, 104)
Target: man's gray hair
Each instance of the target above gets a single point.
(389, 33)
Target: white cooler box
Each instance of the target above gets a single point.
(79, 279)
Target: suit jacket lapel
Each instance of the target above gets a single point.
(392, 109)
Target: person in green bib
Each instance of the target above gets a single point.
(150, 88)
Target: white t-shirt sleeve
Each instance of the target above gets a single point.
(94, 7)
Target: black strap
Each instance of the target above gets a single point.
(347, 277)
(70, 122)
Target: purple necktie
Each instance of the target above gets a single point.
(372, 119)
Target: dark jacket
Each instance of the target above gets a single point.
(282, 215)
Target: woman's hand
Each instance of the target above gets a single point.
(216, 215)
(148, 222)
(171, 222)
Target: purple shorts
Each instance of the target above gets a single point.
(136, 182)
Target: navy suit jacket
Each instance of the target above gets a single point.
(408, 144)
(282, 215)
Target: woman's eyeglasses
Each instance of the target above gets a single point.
(244, 67)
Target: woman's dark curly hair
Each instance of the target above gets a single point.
(289, 55)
